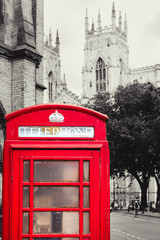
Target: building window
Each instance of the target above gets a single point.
(50, 86)
(96, 74)
(104, 73)
(1, 12)
(100, 76)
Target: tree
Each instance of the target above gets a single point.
(133, 135)
(132, 141)
(156, 142)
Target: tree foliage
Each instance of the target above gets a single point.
(133, 130)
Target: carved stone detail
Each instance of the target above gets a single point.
(20, 54)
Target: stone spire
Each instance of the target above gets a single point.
(113, 16)
(64, 81)
(120, 22)
(46, 40)
(99, 21)
(92, 27)
(50, 37)
(125, 25)
(57, 42)
(86, 24)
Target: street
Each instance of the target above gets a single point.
(126, 227)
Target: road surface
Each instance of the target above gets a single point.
(127, 227)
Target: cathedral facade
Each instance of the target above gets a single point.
(106, 58)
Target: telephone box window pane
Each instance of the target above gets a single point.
(56, 222)
(26, 171)
(25, 238)
(86, 197)
(86, 222)
(56, 196)
(26, 197)
(85, 171)
(25, 222)
(56, 171)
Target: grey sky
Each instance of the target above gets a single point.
(68, 17)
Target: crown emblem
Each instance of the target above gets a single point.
(56, 117)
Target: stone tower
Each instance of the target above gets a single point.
(52, 68)
(21, 51)
(105, 55)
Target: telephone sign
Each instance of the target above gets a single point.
(56, 131)
(56, 174)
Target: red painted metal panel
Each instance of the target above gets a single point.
(73, 116)
(94, 150)
(96, 196)
(105, 201)
(6, 193)
(56, 106)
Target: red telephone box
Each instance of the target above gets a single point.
(56, 175)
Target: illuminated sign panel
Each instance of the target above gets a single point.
(55, 132)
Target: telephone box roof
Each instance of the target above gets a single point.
(34, 108)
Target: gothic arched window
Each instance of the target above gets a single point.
(100, 76)
(1, 11)
(50, 86)
(121, 70)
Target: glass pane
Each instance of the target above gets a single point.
(56, 222)
(26, 171)
(85, 171)
(86, 222)
(56, 196)
(25, 196)
(56, 171)
(25, 222)
(86, 197)
(25, 238)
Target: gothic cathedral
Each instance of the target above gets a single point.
(106, 56)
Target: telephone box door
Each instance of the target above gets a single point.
(52, 193)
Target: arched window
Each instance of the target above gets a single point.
(100, 76)
(50, 86)
(121, 70)
(104, 73)
(1, 11)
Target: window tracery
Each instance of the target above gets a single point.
(100, 76)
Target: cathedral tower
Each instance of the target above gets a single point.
(105, 56)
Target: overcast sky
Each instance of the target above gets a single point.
(68, 17)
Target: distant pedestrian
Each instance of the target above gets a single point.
(115, 205)
(121, 204)
(129, 205)
(153, 206)
(136, 209)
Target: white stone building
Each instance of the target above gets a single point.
(106, 58)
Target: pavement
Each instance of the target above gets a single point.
(146, 213)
